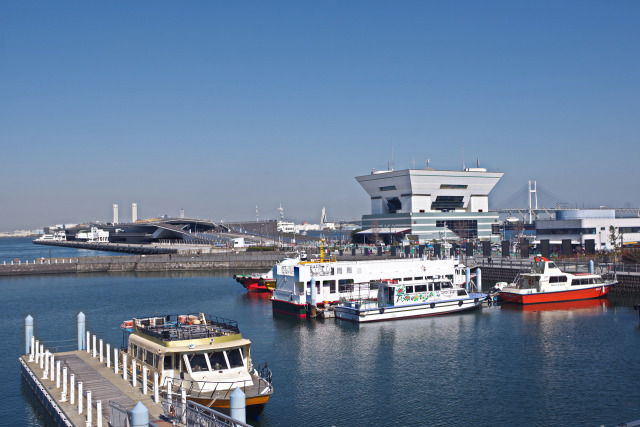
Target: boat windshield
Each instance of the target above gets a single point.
(218, 360)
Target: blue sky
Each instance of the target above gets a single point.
(217, 107)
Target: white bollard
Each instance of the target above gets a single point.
(101, 358)
(52, 368)
(43, 356)
(144, 379)
(156, 392)
(64, 384)
(89, 407)
(88, 342)
(32, 355)
(183, 402)
(72, 389)
(79, 397)
(115, 360)
(108, 356)
(99, 413)
(95, 350)
(169, 388)
(134, 373)
(57, 374)
(45, 374)
(37, 352)
(124, 366)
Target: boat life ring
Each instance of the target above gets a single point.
(172, 411)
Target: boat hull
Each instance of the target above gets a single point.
(559, 296)
(289, 308)
(407, 311)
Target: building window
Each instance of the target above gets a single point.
(388, 188)
(453, 187)
(445, 203)
(465, 229)
(394, 204)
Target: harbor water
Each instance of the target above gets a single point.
(566, 364)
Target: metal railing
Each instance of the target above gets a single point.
(221, 390)
(191, 413)
(120, 416)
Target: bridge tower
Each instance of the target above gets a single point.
(532, 190)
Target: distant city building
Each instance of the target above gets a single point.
(285, 227)
(181, 213)
(93, 235)
(425, 202)
(134, 212)
(115, 213)
(591, 224)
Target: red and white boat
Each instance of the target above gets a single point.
(257, 282)
(547, 283)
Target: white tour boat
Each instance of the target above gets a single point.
(351, 280)
(401, 301)
(205, 355)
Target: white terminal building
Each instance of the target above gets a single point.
(591, 224)
(425, 202)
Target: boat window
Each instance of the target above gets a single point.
(557, 279)
(176, 363)
(332, 286)
(562, 279)
(397, 279)
(339, 270)
(345, 285)
(421, 288)
(447, 285)
(373, 285)
(409, 289)
(436, 286)
(167, 361)
(349, 270)
(407, 279)
(150, 358)
(235, 358)
(418, 278)
(217, 361)
(449, 276)
(552, 265)
(198, 362)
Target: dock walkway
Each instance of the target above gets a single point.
(105, 386)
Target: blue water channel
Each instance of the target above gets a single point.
(553, 365)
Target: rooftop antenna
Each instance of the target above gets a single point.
(391, 164)
(428, 161)
(478, 162)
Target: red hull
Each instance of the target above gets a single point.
(571, 295)
(252, 284)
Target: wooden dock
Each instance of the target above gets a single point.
(105, 386)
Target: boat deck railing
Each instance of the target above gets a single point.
(185, 327)
(258, 385)
(193, 414)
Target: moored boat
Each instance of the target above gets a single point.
(256, 282)
(400, 301)
(205, 355)
(547, 283)
(329, 282)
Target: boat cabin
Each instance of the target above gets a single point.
(191, 348)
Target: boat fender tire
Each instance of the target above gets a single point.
(433, 305)
(475, 300)
(381, 310)
(172, 411)
(459, 303)
(490, 303)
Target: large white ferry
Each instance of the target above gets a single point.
(401, 301)
(207, 356)
(337, 281)
(547, 283)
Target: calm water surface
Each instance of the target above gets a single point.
(553, 365)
